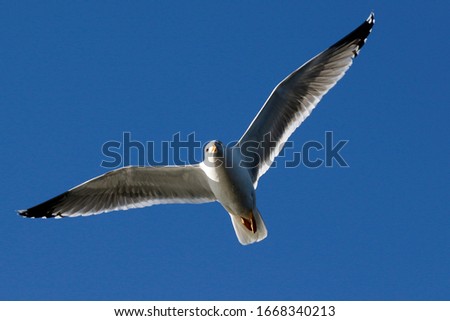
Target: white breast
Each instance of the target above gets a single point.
(210, 171)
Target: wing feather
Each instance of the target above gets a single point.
(128, 187)
(293, 100)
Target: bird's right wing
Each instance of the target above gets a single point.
(129, 187)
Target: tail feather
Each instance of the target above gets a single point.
(249, 231)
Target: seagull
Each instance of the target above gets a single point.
(227, 174)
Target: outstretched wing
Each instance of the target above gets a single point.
(295, 97)
(128, 187)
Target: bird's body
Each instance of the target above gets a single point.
(230, 183)
(227, 174)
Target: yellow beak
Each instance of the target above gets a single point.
(213, 149)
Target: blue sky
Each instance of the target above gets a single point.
(75, 75)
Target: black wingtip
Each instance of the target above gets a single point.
(360, 34)
(44, 210)
(371, 19)
(22, 213)
(31, 214)
(366, 29)
(27, 214)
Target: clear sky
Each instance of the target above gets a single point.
(75, 75)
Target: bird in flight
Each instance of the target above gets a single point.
(227, 174)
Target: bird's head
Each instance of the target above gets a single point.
(214, 148)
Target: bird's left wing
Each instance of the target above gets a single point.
(128, 187)
(294, 99)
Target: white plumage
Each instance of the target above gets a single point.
(289, 104)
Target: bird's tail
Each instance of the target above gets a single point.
(249, 230)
